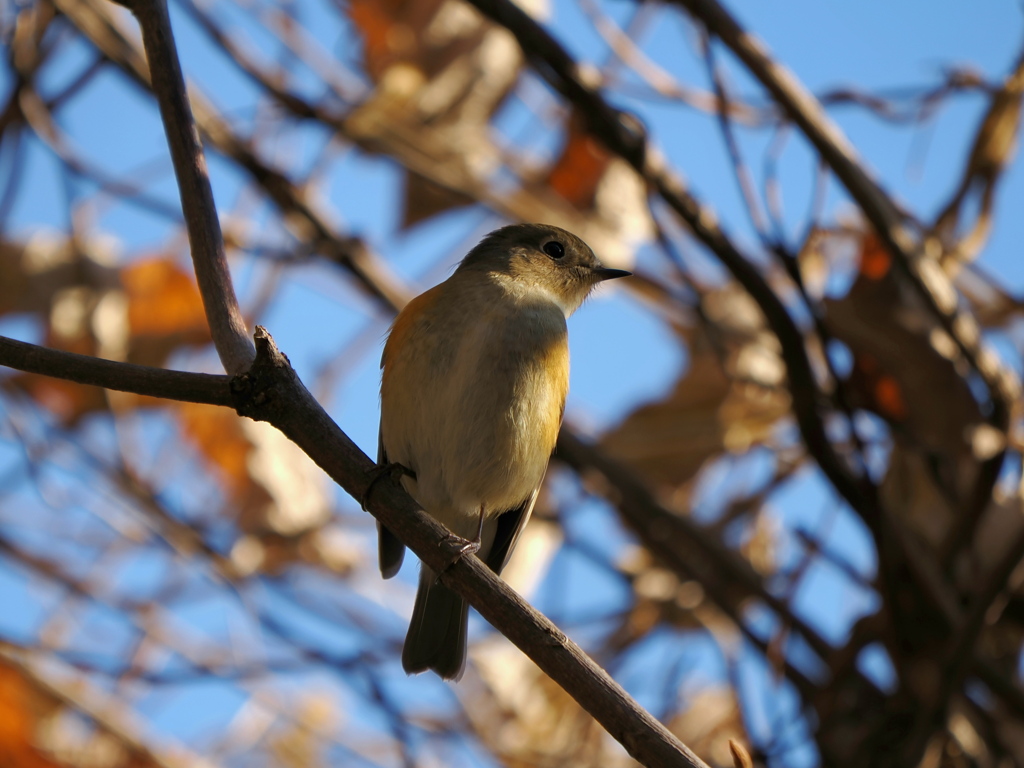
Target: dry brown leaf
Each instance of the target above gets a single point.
(141, 314)
(708, 412)
(880, 390)
(709, 723)
(580, 167)
(22, 707)
(601, 187)
(909, 371)
(740, 756)
(441, 71)
(897, 350)
(667, 442)
(165, 310)
(992, 150)
(275, 491)
(38, 271)
(218, 435)
(163, 299)
(376, 22)
(395, 31)
(15, 289)
(424, 199)
(75, 297)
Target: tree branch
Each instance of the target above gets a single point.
(271, 391)
(123, 377)
(227, 326)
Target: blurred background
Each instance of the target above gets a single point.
(181, 586)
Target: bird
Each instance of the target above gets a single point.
(475, 373)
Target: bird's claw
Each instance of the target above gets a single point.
(459, 547)
(392, 470)
(469, 547)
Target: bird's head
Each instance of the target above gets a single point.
(542, 260)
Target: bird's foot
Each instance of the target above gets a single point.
(459, 547)
(468, 547)
(392, 470)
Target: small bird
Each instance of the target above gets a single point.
(475, 374)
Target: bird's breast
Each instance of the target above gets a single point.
(481, 423)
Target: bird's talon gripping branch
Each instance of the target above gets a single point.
(392, 470)
(469, 547)
(466, 546)
(457, 548)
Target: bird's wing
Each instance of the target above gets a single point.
(510, 526)
(390, 551)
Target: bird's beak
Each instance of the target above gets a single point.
(606, 273)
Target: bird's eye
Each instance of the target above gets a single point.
(554, 249)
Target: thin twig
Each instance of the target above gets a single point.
(741, 171)
(123, 377)
(227, 325)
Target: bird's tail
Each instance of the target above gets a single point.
(437, 631)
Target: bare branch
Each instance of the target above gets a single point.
(272, 392)
(991, 151)
(741, 171)
(227, 326)
(951, 609)
(123, 377)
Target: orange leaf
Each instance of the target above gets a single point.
(581, 166)
(20, 707)
(217, 434)
(889, 398)
(394, 30)
(163, 299)
(374, 22)
(875, 260)
(882, 390)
